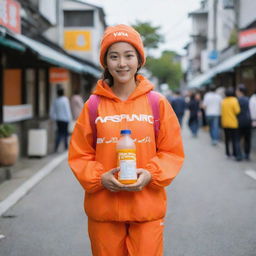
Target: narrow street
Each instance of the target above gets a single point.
(211, 210)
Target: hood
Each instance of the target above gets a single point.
(143, 87)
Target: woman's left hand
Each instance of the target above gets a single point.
(144, 177)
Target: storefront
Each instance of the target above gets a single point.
(29, 74)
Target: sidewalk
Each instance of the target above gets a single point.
(26, 173)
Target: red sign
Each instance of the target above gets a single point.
(59, 75)
(247, 38)
(10, 15)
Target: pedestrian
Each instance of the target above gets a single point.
(61, 113)
(229, 121)
(252, 106)
(194, 109)
(125, 219)
(179, 105)
(212, 104)
(244, 121)
(76, 104)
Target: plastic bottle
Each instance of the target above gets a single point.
(126, 158)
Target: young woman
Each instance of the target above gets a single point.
(125, 219)
(229, 120)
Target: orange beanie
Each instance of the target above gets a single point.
(121, 33)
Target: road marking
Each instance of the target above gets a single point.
(251, 173)
(2, 236)
(30, 183)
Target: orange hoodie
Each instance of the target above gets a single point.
(88, 165)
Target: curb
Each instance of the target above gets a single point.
(21, 191)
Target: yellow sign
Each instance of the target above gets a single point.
(77, 40)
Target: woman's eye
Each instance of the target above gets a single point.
(112, 57)
(130, 55)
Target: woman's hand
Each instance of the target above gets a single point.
(110, 182)
(144, 177)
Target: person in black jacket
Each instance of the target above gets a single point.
(244, 120)
(179, 105)
(194, 108)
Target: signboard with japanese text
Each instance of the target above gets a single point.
(17, 113)
(10, 15)
(247, 38)
(58, 75)
(77, 40)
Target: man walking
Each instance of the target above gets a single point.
(179, 105)
(244, 121)
(212, 105)
(61, 113)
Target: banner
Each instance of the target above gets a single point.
(247, 38)
(77, 40)
(58, 75)
(10, 15)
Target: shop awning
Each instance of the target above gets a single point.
(225, 66)
(54, 57)
(202, 79)
(234, 61)
(12, 44)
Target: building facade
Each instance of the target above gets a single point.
(32, 65)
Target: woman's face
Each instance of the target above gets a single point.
(122, 62)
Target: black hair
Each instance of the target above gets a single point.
(192, 96)
(242, 89)
(108, 77)
(177, 91)
(60, 92)
(229, 92)
(212, 88)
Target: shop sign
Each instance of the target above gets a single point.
(17, 113)
(10, 15)
(213, 55)
(247, 38)
(58, 75)
(77, 40)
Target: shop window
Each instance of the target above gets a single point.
(248, 73)
(78, 18)
(30, 87)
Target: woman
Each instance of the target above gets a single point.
(229, 111)
(125, 219)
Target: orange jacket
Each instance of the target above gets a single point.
(88, 165)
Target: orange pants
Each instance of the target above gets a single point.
(126, 238)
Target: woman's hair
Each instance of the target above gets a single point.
(109, 78)
(229, 92)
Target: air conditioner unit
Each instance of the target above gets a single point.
(37, 142)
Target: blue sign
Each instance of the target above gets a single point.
(213, 55)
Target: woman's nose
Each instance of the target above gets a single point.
(122, 62)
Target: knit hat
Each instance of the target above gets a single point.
(121, 33)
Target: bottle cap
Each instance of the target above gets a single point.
(126, 132)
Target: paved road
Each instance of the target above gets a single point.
(49, 221)
(211, 210)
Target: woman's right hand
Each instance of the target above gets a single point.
(110, 182)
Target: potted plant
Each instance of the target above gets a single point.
(9, 145)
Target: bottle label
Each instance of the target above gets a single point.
(127, 163)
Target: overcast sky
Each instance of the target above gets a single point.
(171, 15)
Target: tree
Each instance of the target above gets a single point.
(150, 35)
(166, 69)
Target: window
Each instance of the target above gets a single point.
(78, 18)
